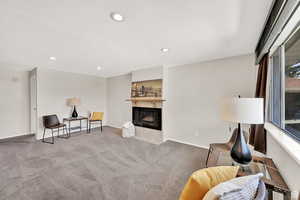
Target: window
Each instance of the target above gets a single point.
(276, 84)
(284, 98)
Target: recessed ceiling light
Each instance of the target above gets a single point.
(117, 17)
(52, 58)
(99, 68)
(164, 50)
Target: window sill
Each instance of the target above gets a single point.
(291, 146)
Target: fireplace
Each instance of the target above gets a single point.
(147, 117)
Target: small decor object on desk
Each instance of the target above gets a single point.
(247, 111)
(73, 102)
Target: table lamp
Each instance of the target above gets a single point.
(74, 102)
(242, 111)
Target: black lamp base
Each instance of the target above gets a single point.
(240, 151)
(74, 114)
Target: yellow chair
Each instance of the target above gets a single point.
(95, 117)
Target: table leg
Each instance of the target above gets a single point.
(66, 129)
(287, 196)
(70, 128)
(270, 194)
(80, 125)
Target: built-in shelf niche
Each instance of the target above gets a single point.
(149, 91)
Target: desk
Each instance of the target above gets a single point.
(272, 177)
(80, 118)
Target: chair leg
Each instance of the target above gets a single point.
(207, 158)
(44, 135)
(87, 126)
(101, 125)
(43, 140)
(52, 137)
(58, 132)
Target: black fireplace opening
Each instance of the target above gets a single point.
(147, 117)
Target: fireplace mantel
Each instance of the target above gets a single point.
(149, 99)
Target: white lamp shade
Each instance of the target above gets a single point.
(243, 110)
(73, 101)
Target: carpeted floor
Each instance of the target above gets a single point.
(95, 166)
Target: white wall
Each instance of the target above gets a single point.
(165, 94)
(118, 90)
(194, 93)
(147, 74)
(287, 166)
(55, 87)
(14, 103)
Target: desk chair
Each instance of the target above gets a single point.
(95, 117)
(52, 122)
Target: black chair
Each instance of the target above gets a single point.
(52, 122)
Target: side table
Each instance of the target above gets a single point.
(272, 177)
(80, 118)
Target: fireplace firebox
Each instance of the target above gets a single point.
(147, 117)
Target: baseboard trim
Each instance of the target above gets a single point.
(55, 133)
(120, 128)
(170, 139)
(15, 137)
(109, 125)
(187, 143)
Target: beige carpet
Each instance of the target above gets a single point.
(101, 166)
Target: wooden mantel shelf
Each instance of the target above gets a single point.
(151, 99)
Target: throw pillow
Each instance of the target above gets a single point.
(203, 180)
(243, 188)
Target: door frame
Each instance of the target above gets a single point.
(33, 101)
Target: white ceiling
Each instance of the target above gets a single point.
(81, 35)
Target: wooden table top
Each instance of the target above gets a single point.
(75, 118)
(276, 180)
(272, 177)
